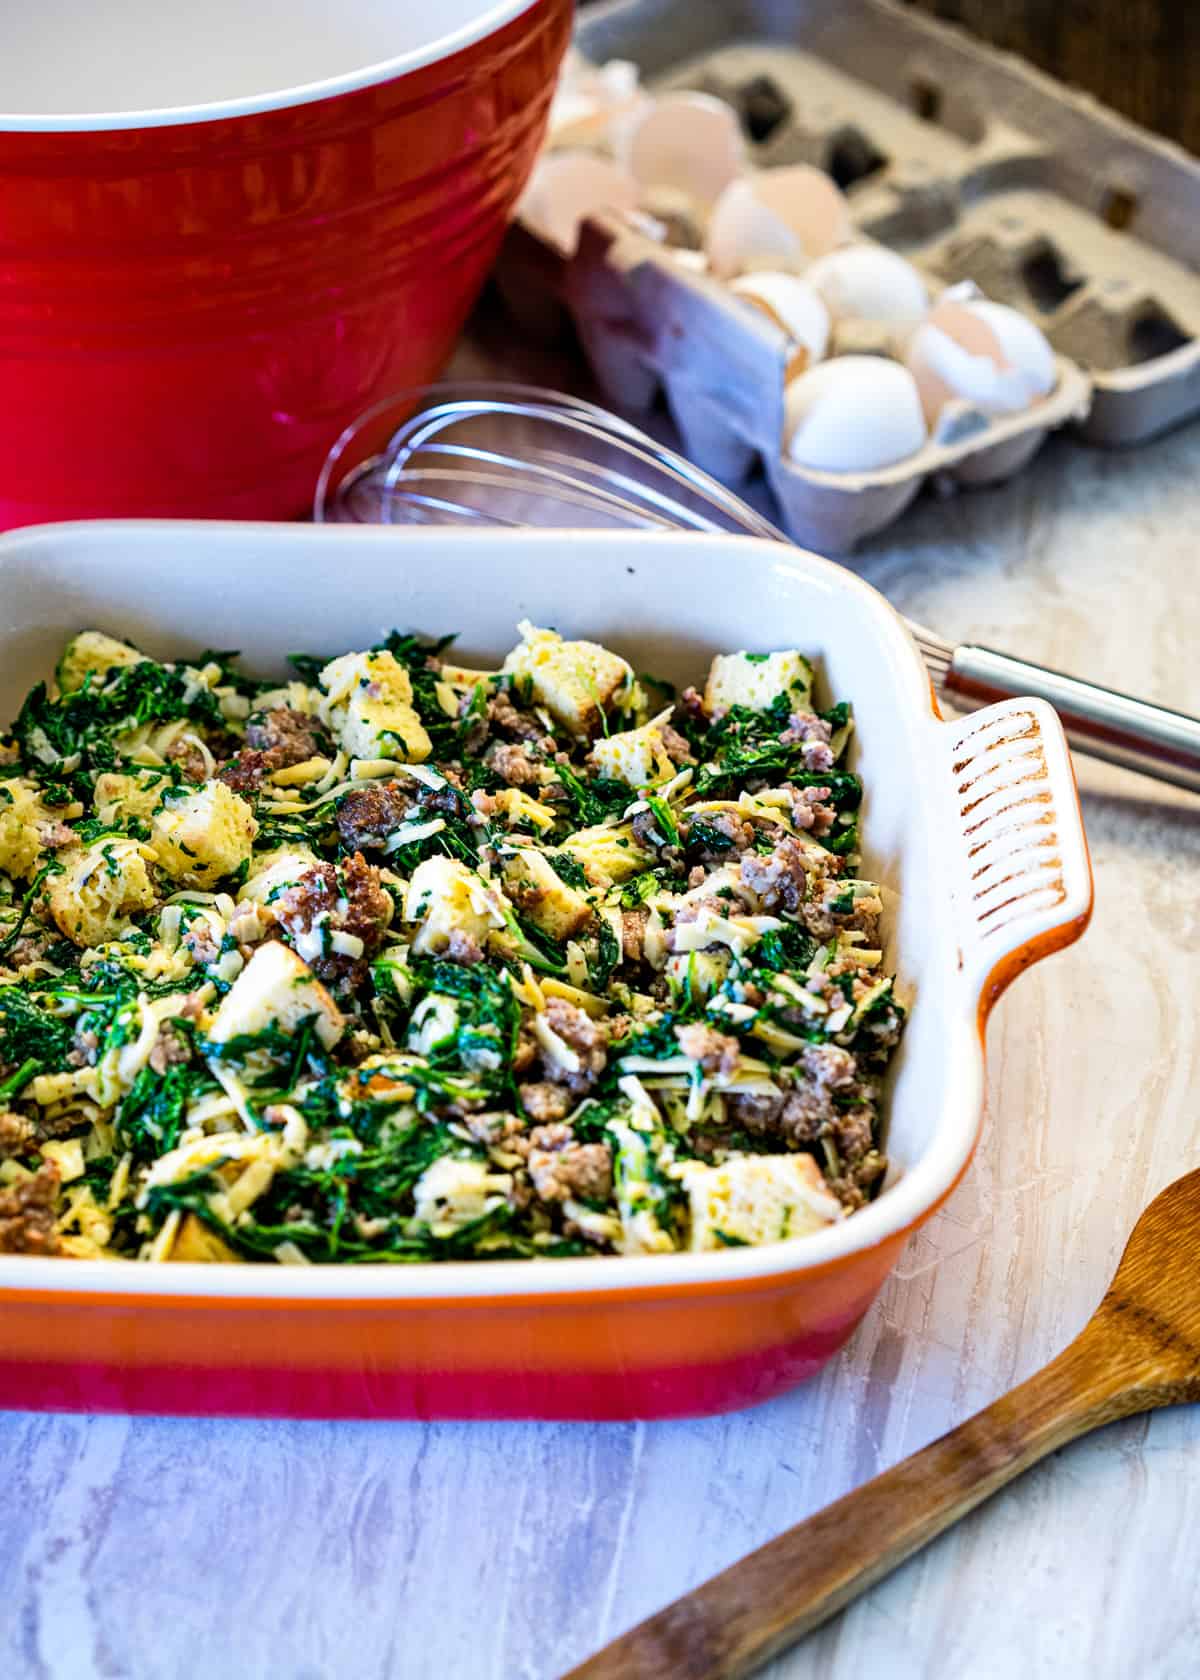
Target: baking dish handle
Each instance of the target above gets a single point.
(1024, 877)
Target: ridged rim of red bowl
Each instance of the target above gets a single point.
(490, 19)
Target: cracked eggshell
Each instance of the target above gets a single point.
(983, 354)
(869, 283)
(778, 218)
(793, 305)
(568, 187)
(853, 414)
(688, 142)
(592, 100)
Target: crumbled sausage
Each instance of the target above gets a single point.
(463, 947)
(337, 898)
(186, 755)
(823, 918)
(809, 810)
(543, 1101)
(780, 879)
(716, 836)
(507, 719)
(201, 942)
(52, 834)
(675, 745)
(85, 1048)
(275, 740)
(811, 1110)
(647, 833)
(588, 1039)
(247, 772)
(562, 1169)
(633, 934)
(513, 764)
(16, 1133)
(368, 816)
(716, 1052)
(170, 1049)
(813, 735)
(291, 736)
(854, 1134)
(27, 1213)
(496, 1130)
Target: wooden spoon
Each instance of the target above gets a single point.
(1139, 1350)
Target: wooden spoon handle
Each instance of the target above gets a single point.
(753, 1610)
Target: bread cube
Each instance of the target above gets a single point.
(539, 892)
(199, 838)
(445, 896)
(757, 679)
(756, 1199)
(102, 886)
(374, 717)
(637, 757)
(573, 680)
(92, 653)
(120, 796)
(607, 854)
(276, 989)
(21, 811)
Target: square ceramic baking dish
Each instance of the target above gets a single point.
(975, 825)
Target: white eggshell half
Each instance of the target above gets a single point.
(869, 283)
(777, 218)
(743, 233)
(568, 187)
(688, 141)
(793, 303)
(981, 353)
(853, 414)
(1024, 344)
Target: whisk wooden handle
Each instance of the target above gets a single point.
(753, 1610)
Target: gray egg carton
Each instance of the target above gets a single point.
(969, 162)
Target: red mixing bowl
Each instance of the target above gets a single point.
(201, 282)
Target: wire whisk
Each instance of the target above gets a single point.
(476, 454)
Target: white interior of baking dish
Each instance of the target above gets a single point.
(665, 602)
(69, 64)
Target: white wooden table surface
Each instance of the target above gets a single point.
(153, 1549)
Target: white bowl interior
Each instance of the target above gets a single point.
(123, 57)
(667, 604)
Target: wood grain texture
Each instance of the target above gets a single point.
(1139, 1351)
(1137, 56)
(161, 1550)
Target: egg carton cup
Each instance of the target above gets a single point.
(648, 326)
(967, 161)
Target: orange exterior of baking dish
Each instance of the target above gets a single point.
(600, 1339)
(678, 1350)
(634, 1353)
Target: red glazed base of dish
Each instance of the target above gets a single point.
(263, 1391)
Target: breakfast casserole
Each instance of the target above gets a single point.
(401, 960)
